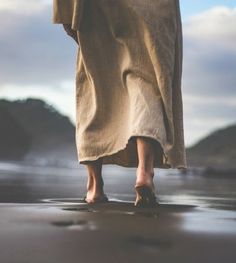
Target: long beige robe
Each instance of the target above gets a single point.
(128, 80)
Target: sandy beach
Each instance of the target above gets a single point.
(44, 220)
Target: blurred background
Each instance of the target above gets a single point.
(37, 89)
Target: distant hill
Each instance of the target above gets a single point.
(217, 150)
(34, 131)
(14, 140)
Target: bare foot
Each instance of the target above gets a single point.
(95, 183)
(95, 191)
(145, 189)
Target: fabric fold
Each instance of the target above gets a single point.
(128, 79)
(68, 12)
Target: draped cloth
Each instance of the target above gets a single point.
(128, 79)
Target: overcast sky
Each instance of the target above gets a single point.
(37, 60)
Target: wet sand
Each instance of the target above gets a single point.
(183, 228)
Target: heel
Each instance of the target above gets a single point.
(145, 196)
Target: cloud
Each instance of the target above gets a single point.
(210, 53)
(214, 27)
(23, 6)
(33, 50)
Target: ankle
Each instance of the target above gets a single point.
(144, 176)
(145, 171)
(95, 184)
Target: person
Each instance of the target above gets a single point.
(129, 109)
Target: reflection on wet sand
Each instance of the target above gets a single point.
(44, 219)
(76, 224)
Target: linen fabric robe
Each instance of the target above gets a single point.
(128, 80)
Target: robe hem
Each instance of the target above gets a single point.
(165, 165)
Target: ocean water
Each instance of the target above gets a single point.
(32, 184)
